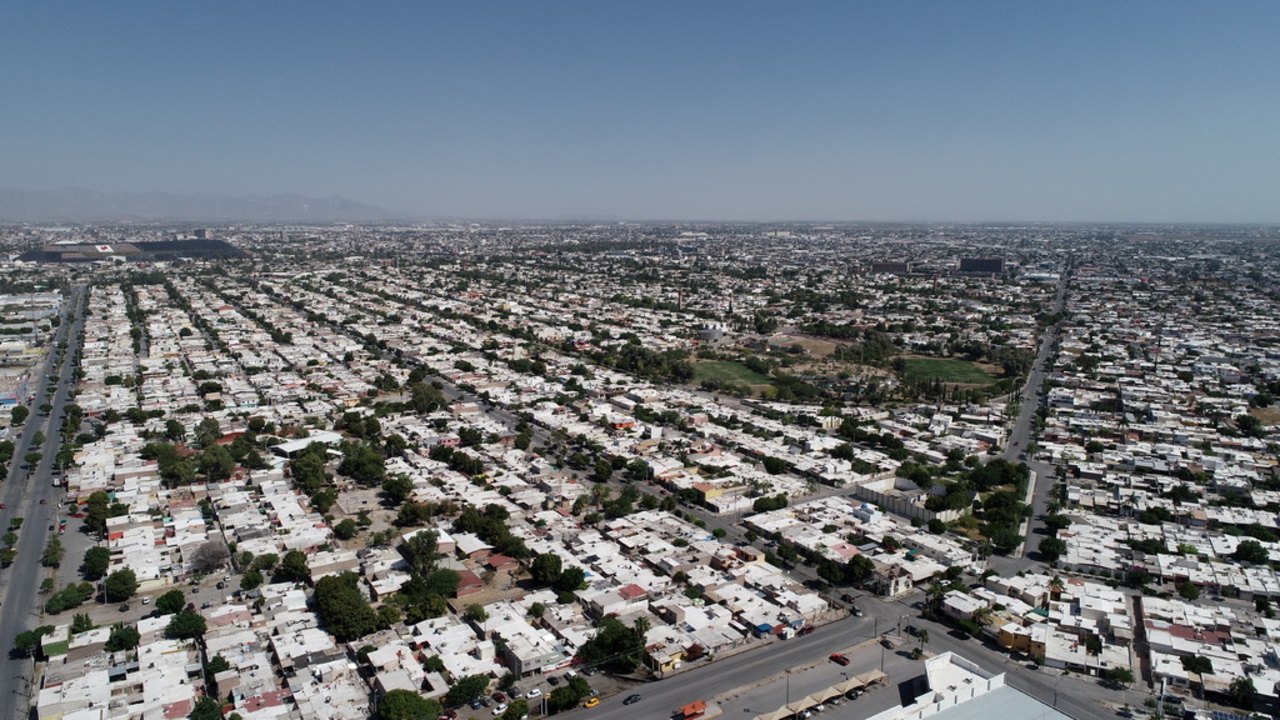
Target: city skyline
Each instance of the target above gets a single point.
(826, 112)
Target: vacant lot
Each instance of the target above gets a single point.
(950, 371)
(730, 372)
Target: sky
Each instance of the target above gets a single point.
(916, 110)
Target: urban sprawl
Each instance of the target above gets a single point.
(474, 471)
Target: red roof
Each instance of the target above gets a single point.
(632, 591)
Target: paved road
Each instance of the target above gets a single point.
(737, 681)
(1021, 435)
(22, 494)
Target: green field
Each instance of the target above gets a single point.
(951, 371)
(730, 372)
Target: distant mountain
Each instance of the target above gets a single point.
(80, 205)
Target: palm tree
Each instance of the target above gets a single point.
(1055, 587)
(982, 615)
(923, 636)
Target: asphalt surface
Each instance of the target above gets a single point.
(22, 494)
(757, 681)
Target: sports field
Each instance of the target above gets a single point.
(949, 371)
(729, 372)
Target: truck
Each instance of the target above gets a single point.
(695, 709)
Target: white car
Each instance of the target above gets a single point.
(534, 693)
(499, 709)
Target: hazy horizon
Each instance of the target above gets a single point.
(934, 112)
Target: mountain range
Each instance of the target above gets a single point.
(80, 205)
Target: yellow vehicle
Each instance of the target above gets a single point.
(591, 702)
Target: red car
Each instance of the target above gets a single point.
(839, 659)
(806, 630)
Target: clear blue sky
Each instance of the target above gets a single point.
(894, 110)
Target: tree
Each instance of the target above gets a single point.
(120, 585)
(546, 568)
(206, 708)
(1242, 691)
(171, 602)
(467, 689)
(397, 487)
(96, 562)
(422, 551)
(346, 529)
(81, 622)
(216, 463)
(518, 709)
(1057, 522)
(343, 607)
(251, 580)
(1187, 590)
(210, 556)
(186, 625)
(1120, 677)
(477, 613)
(603, 469)
(122, 638)
(1052, 548)
(1250, 551)
(443, 582)
(571, 580)
(18, 414)
(294, 567)
(53, 555)
(407, 705)
(26, 643)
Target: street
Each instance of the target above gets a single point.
(22, 494)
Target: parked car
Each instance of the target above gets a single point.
(499, 709)
(838, 659)
(534, 693)
(475, 704)
(449, 715)
(806, 630)
(553, 680)
(591, 702)
(499, 697)
(631, 699)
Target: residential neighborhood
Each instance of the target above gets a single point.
(505, 470)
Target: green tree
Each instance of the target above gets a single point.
(343, 607)
(81, 622)
(18, 414)
(571, 580)
(122, 637)
(467, 689)
(120, 585)
(251, 580)
(546, 568)
(171, 602)
(518, 709)
(294, 567)
(206, 708)
(346, 529)
(186, 625)
(1250, 551)
(397, 487)
(1052, 548)
(96, 562)
(216, 463)
(1118, 676)
(422, 551)
(1187, 590)
(53, 552)
(407, 705)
